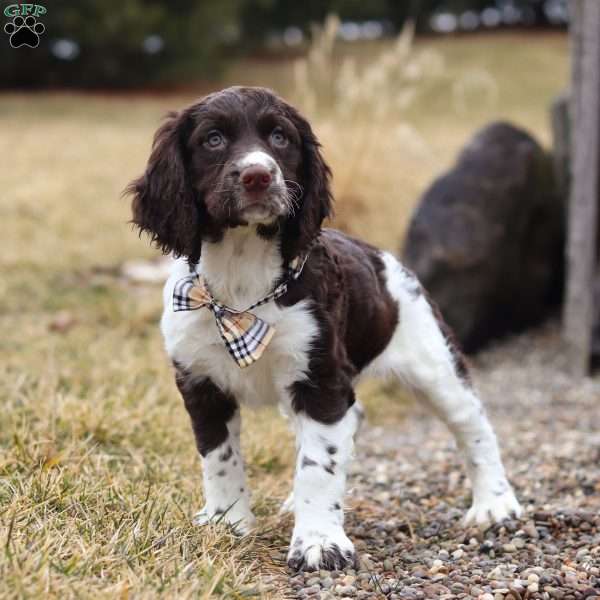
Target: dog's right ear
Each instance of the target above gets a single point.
(165, 204)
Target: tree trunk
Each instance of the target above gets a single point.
(583, 201)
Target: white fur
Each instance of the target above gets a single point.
(225, 488)
(258, 157)
(323, 453)
(418, 355)
(241, 269)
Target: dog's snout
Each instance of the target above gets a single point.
(256, 178)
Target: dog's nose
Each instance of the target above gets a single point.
(255, 178)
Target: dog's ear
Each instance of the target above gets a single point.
(317, 203)
(165, 204)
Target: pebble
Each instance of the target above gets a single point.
(345, 590)
(309, 591)
(327, 582)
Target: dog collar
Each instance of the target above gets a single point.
(245, 335)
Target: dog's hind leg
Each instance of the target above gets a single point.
(421, 353)
(459, 407)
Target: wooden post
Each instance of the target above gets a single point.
(583, 200)
(561, 143)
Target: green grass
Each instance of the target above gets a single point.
(98, 473)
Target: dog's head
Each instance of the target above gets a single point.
(238, 157)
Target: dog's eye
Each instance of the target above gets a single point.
(214, 140)
(278, 138)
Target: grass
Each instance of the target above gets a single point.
(98, 473)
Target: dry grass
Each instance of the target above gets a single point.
(98, 476)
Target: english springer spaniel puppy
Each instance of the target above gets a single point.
(263, 305)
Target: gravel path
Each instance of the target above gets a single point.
(407, 495)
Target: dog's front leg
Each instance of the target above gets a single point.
(216, 423)
(319, 541)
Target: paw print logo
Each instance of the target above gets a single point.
(24, 31)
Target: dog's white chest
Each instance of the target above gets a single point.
(193, 341)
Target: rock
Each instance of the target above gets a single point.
(486, 240)
(327, 582)
(147, 271)
(345, 590)
(311, 591)
(62, 322)
(437, 566)
(530, 530)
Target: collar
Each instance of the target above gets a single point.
(244, 334)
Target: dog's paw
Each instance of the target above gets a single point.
(288, 505)
(493, 508)
(315, 550)
(242, 522)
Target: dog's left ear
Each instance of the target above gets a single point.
(164, 201)
(317, 202)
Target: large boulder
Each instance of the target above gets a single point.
(487, 237)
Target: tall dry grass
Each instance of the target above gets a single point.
(363, 123)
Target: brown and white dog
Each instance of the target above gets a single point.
(236, 186)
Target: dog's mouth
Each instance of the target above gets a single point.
(262, 208)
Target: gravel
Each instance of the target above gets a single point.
(407, 495)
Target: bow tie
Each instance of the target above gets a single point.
(245, 335)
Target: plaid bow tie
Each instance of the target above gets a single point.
(244, 334)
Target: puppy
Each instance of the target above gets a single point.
(263, 305)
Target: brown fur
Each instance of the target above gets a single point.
(187, 193)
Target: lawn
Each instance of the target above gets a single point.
(98, 472)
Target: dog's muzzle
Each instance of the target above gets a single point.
(261, 188)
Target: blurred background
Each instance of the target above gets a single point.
(435, 116)
(394, 89)
(126, 45)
